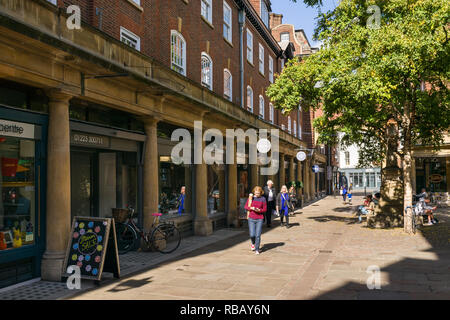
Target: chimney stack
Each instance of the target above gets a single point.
(275, 20)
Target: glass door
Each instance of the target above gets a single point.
(81, 171)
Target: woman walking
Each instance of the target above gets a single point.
(283, 205)
(256, 206)
(292, 198)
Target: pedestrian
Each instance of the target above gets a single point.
(283, 205)
(180, 201)
(344, 193)
(293, 198)
(349, 193)
(256, 206)
(367, 209)
(271, 195)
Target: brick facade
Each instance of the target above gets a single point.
(153, 21)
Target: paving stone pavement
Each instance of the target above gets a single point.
(129, 263)
(324, 255)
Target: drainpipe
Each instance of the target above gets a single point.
(241, 52)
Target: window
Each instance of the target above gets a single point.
(283, 127)
(130, 38)
(178, 52)
(295, 128)
(271, 111)
(289, 124)
(228, 85)
(207, 71)
(264, 13)
(282, 64)
(52, 1)
(285, 36)
(207, 10)
(138, 2)
(261, 107)
(227, 22)
(299, 131)
(261, 59)
(347, 158)
(249, 98)
(270, 69)
(249, 46)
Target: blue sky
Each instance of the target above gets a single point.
(301, 16)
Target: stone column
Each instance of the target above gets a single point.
(232, 200)
(58, 187)
(306, 183)
(299, 178)
(221, 207)
(291, 169)
(151, 173)
(189, 190)
(282, 173)
(253, 176)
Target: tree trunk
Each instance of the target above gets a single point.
(407, 167)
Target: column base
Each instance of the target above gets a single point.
(52, 266)
(203, 227)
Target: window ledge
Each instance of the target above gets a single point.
(134, 4)
(226, 40)
(207, 22)
(186, 1)
(250, 63)
(262, 74)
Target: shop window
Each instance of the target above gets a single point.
(17, 188)
(216, 189)
(243, 186)
(24, 97)
(172, 180)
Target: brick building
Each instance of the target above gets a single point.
(324, 181)
(90, 114)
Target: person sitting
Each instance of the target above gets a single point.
(424, 199)
(376, 198)
(367, 208)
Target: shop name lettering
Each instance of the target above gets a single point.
(87, 139)
(11, 128)
(213, 153)
(87, 243)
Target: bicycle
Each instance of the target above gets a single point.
(163, 237)
(416, 212)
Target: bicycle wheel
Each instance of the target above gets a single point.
(165, 238)
(126, 237)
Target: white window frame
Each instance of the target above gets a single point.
(249, 47)
(285, 33)
(261, 58)
(283, 127)
(271, 112)
(270, 69)
(299, 131)
(264, 13)
(289, 124)
(131, 36)
(208, 16)
(295, 128)
(261, 107)
(282, 64)
(180, 68)
(229, 24)
(54, 2)
(225, 71)
(250, 106)
(206, 84)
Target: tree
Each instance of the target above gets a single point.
(374, 68)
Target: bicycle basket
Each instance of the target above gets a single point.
(120, 215)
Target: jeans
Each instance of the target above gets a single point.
(255, 229)
(362, 210)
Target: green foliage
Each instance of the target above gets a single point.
(362, 77)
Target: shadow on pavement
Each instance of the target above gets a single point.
(347, 220)
(130, 284)
(268, 246)
(410, 278)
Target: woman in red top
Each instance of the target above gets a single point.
(256, 206)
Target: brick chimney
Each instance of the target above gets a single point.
(275, 20)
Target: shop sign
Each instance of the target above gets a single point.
(85, 139)
(436, 178)
(17, 129)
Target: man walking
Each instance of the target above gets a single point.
(271, 197)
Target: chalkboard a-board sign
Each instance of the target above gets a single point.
(93, 247)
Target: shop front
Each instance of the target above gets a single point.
(432, 173)
(22, 189)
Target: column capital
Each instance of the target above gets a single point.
(58, 95)
(150, 120)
